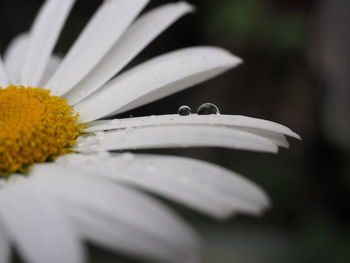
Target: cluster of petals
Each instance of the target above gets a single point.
(99, 194)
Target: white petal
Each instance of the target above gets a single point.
(43, 37)
(276, 138)
(156, 79)
(115, 210)
(3, 75)
(123, 237)
(52, 66)
(135, 39)
(103, 30)
(235, 121)
(36, 227)
(5, 249)
(14, 57)
(175, 136)
(202, 186)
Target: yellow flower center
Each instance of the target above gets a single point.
(34, 127)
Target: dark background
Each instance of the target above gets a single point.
(296, 72)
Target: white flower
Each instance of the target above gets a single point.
(47, 209)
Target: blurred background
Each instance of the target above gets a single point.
(296, 72)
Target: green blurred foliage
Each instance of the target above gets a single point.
(254, 22)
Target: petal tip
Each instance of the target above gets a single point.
(294, 135)
(236, 61)
(275, 150)
(187, 6)
(297, 136)
(230, 59)
(233, 60)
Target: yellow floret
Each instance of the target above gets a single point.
(34, 127)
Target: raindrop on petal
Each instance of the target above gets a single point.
(184, 110)
(207, 109)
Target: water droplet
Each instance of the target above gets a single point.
(184, 110)
(153, 116)
(207, 109)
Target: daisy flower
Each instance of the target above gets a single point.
(67, 176)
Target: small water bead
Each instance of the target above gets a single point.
(184, 110)
(208, 109)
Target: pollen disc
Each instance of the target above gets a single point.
(34, 127)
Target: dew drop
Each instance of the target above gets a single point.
(184, 110)
(208, 109)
